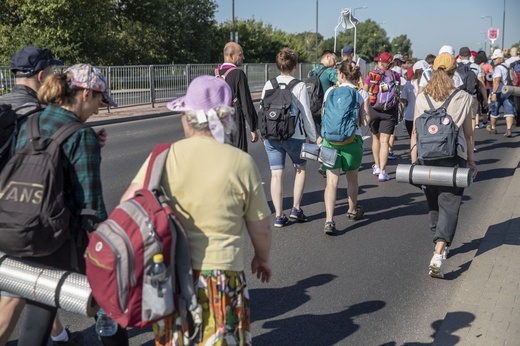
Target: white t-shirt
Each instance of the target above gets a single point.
(409, 93)
(474, 67)
(511, 60)
(363, 96)
(500, 71)
(300, 98)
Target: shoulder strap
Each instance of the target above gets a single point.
(447, 101)
(274, 83)
(33, 129)
(65, 131)
(293, 83)
(432, 108)
(217, 73)
(227, 72)
(156, 165)
(321, 71)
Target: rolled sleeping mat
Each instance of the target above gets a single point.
(434, 175)
(54, 287)
(513, 90)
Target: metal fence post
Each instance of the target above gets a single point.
(300, 66)
(109, 81)
(246, 70)
(266, 72)
(188, 75)
(151, 74)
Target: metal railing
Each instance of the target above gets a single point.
(138, 85)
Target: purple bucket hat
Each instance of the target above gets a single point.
(204, 93)
(88, 77)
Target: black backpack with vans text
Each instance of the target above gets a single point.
(469, 78)
(35, 220)
(276, 121)
(436, 132)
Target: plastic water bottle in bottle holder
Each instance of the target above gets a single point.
(158, 273)
(105, 326)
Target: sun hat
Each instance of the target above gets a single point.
(444, 61)
(447, 49)
(497, 53)
(86, 76)
(420, 64)
(204, 93)
(384, 57)
(32, 60)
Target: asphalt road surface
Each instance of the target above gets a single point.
(369, 285)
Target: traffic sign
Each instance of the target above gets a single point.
(493, 33)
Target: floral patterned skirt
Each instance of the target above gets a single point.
(224, 298)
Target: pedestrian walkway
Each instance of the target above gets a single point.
(486, 309)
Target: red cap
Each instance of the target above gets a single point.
(384, 57)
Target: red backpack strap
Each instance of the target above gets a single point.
(217, 73)
(156, 165)
(227, 72)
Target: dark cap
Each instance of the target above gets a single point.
(464, 51)
(347, 50)
(32, 60)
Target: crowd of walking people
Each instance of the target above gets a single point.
(216, 114)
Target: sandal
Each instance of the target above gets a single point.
(357, 215)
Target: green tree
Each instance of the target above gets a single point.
(401, 44)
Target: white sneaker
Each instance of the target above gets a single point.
(436, 269)
(383, 176)
(445, 253)
(376, 170)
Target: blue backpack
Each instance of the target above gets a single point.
(340, 115)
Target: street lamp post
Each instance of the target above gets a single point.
(485, 40)
(504, 25)
(491, 25)
(355, 31)
(233, 35)
(316, 30)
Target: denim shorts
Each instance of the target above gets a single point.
(504, 100)
(276, 151)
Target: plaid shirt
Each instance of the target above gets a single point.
(81, 162)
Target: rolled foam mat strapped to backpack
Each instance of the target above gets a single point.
(433, 175)
(54, 287)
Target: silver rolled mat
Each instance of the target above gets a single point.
(434, 175)
(54, 287)
(508, 89)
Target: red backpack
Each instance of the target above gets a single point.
(119, 257)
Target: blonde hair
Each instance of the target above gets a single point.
(224, 113)
(56, 89)
(441, 84)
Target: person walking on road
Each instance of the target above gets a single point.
(498, 98)
(287, 61)
(350, 152)
(245, 111)
(217, 202)
(444, 202)
(328, 78)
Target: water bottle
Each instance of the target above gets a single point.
(105, 326)
(158, 273)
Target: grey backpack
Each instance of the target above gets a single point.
(35, 220)
(436, 132)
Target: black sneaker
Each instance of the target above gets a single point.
(298, 215)
(75, 338)
(330, 228)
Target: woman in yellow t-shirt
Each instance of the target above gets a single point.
(217, 193)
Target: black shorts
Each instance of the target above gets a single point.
(383, 122)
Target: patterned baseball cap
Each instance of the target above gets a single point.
(86, 76)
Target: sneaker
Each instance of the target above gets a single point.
(298, 215)
(508, 133)
(383, 176)
(436, 266)
(357, 215)
(477, 126)
(376, 170)
(280, 221)
(484, 124)
(445, 253)
(475, 150)
(491, 130)
(75, 338)
(391, 156)
(330, 228)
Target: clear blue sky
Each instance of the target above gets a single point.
(428, 24)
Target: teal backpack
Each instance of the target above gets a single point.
(340, 115)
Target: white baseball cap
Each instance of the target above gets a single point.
(447, 49)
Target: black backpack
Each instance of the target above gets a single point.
(436, 132)
(35, 220)
(276, 121)
(10, 121)
(315, 91)
(469, 78)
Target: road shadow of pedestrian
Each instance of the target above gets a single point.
(443, 330)
(268, 303)
(310, 329)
